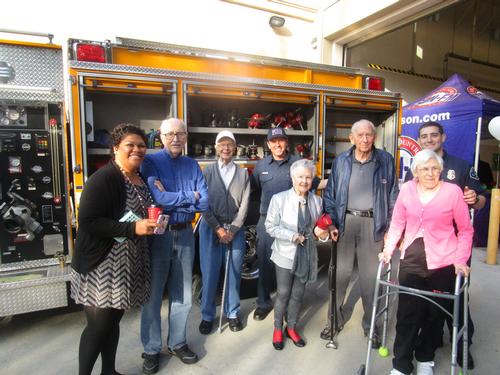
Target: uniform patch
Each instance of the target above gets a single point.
(473, 174)
(451, 174)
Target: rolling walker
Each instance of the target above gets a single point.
(383, 281)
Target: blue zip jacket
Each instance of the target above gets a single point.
(180, 177)
(385, 190)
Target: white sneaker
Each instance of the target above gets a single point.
(425, 368)
(396, 372)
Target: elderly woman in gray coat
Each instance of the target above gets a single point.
(291, 219)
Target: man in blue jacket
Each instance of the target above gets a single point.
(178, 186)
(359, 197)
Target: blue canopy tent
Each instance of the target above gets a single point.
(462, 110)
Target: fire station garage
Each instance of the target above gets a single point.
(254, 77)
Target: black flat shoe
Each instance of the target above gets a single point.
(235, 324)
(205, 327)
(261, 313)
(295, 337)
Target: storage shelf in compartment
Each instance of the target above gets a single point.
(98, 151)
(338, 139)
(105, 151)
(211, 159)
(200, 129)
(344, 126)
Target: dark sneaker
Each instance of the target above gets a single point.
(184, 354)
(260, 313)
(151, 363)
(376, 343)
(205, 327)
(235, 324)
(470, 361)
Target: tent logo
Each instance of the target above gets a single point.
(475, 92)
(438, 97)
(408, 148)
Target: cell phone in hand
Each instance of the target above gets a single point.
(162, 224)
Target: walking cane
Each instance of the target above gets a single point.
(228, 256)
(332, 274)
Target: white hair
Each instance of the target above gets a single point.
(165, 124)
(360, 123)
(423, 157)
(302, 163)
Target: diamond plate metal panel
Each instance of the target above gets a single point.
(225, 78)
(38, 73)
(33, 298)
(29, 264)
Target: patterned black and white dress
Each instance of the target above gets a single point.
(122, 280)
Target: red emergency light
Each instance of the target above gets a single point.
(374, 83)
(90, 53)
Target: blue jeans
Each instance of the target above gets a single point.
(266, 282)
(172, 257)
(212, 254)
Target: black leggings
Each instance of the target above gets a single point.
(99, 336)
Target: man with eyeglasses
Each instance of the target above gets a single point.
(359, 197)
(431, 136)
(178, 186)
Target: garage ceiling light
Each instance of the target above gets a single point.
(276, 22)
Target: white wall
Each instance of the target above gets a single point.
(200, 23)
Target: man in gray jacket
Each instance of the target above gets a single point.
(222, 232)
(359, 197)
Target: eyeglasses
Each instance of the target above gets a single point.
(172, 135)
(427, 170)
(226, 145)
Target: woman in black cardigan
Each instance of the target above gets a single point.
(111, 259)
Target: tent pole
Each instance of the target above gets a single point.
(478, 141)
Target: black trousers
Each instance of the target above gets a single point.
(419, 322)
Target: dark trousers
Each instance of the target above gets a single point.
(357, 245)
(470, 328)
(289, 296)
(419, 322)
(266, 282)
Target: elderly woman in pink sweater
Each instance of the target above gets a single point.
(432, 252)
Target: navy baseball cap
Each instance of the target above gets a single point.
(276, 133)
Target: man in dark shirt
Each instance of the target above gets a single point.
(457, 171)
(271, 176)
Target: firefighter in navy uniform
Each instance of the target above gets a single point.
(457, 171)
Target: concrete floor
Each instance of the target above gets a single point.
(47, 342)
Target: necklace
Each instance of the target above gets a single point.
(143, 204)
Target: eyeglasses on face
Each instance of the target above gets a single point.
(427, 170)
(172, 135)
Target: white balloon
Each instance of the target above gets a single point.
(494, 127)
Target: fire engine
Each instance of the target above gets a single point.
(48, 149)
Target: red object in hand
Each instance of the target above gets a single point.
(324, 222)
(154, 212)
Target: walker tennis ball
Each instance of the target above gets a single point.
(383, 351)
